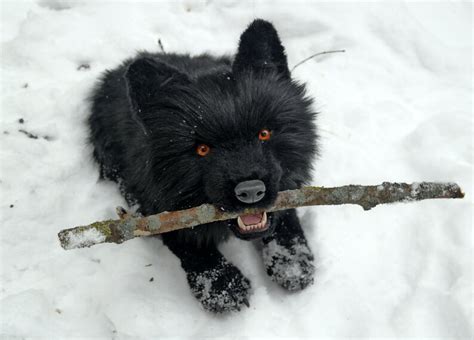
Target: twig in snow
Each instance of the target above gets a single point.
(161, 46)
(315, 55)
(28, 134)
(33, 136)
(130, 226)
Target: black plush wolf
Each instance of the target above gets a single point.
(177, 131)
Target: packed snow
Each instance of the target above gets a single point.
(86, 238)
(396, 106)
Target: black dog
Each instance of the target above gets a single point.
(177, 131)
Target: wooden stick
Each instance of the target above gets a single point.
(130, 226)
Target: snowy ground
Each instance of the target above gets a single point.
(396, 106)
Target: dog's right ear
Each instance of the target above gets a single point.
(146, 78)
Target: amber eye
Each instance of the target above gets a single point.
(264, 134)
(202, 150)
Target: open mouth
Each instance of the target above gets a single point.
(252, 223)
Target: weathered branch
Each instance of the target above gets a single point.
(130, 226)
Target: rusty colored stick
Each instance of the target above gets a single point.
(130, 226)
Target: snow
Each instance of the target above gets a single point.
(396, 106)
(84, 238)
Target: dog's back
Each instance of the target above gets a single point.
(118, 137)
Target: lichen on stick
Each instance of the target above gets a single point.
(367, 196)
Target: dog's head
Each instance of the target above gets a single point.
(233, 136)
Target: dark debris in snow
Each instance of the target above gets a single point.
(84, 67)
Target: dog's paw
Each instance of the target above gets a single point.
(290, 264)
(220, 289)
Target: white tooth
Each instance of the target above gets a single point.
(241, 224)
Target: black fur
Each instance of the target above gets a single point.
(150, 113)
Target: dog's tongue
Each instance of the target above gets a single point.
(251, 218)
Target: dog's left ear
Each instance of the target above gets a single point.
(260, 50)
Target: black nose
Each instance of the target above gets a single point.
(250, 191)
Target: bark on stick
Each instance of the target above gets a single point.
(129, 226)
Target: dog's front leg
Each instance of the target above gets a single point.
(286, 254)
(214, 281)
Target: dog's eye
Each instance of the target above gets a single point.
(264, 134)
(202, 150)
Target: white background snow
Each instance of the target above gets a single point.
(397, 106)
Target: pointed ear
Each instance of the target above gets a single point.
(260, 49)
(146, 78)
